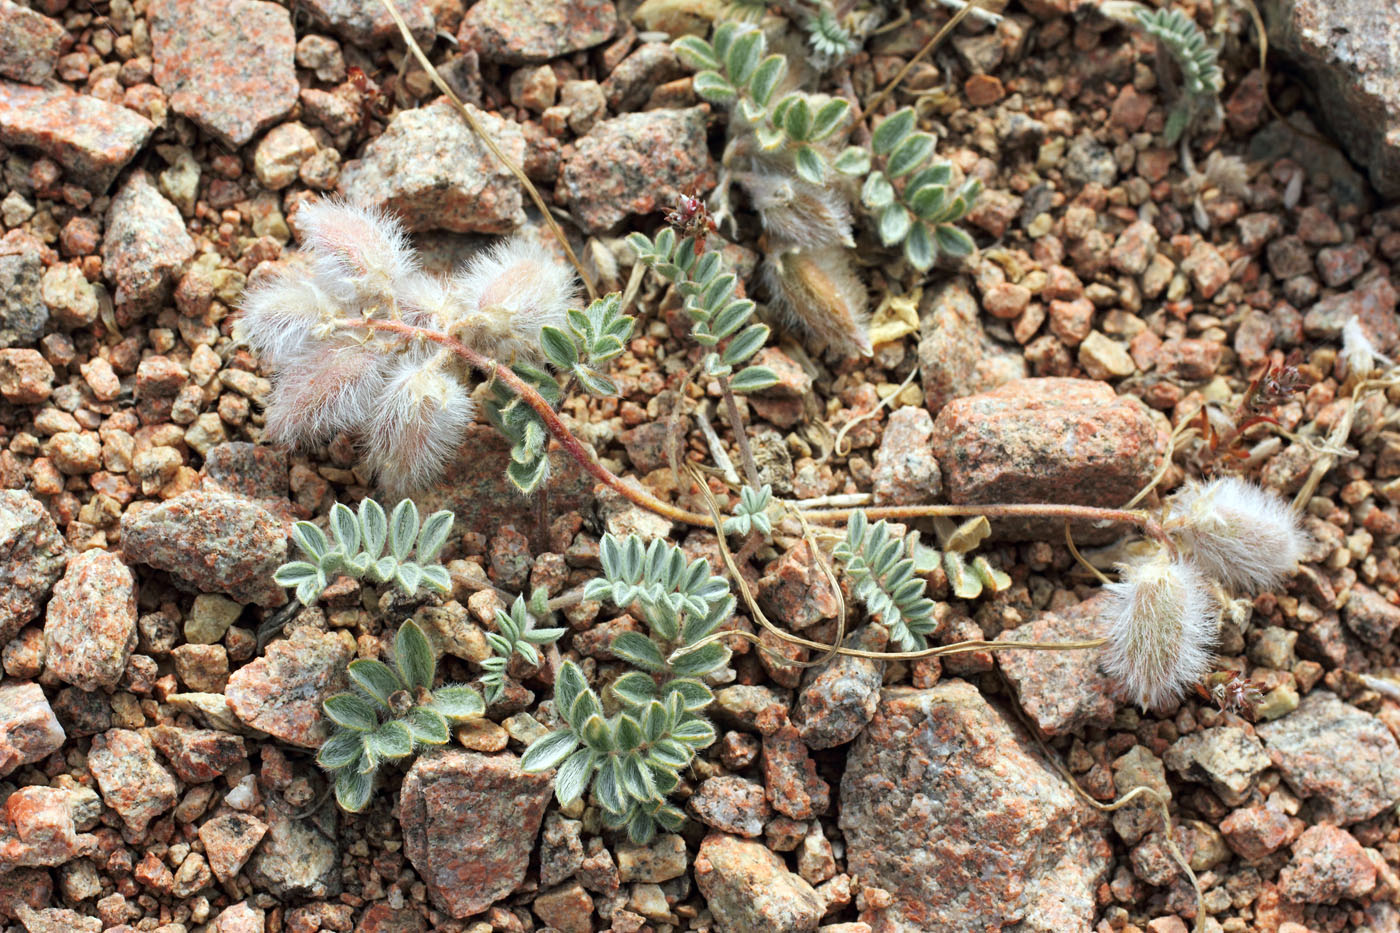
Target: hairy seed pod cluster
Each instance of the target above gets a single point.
(1161, 618)
(407, 402)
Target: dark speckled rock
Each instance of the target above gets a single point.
(469, 826)
(227, 66)
(219, 542)
(946, 805)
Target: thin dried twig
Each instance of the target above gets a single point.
(490, 143)
(923, 53)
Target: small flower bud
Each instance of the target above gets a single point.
(1236, 532)
(1162, 625)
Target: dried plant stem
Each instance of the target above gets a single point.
(830, 651)
(741, 437)
(552, 422)
(490, 143)
(1151, 793)
(923, 53)
(575, 450)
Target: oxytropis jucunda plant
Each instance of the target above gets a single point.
(359, 550)
(633, 759)
(393, 711)
(785, 148)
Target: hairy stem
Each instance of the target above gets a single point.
(741, 436)
(552, 422)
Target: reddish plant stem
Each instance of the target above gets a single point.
(552, 422)
(575, 449)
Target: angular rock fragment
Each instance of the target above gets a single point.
(298, 857)
(217, 541)
(748, 888)
(469, 825)
(837, 699)
(29, 731)
(731, 804)
(90, 629)
(526, 31)
(1046, 440)
(92, 139)
(281, 692)
(145, 244)
(227, 66)
(1343, 760)
(23, 313)
(368, 23)
(32, 556)
(1061, 691)
(947, 805)
(431, 171)
(132, 780)
(1226, 757)
(635, 164)
(956, 357)
(29, 43)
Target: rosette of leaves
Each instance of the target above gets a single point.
(358, 550)
(1201, 79)
(593, 337)
(968, 577)
(831, 41)
(392, 712)
(707, 289)
(633, 759)
(912, 200)
(733, 70)
(751, 512)
(884, 576)
(516, 635)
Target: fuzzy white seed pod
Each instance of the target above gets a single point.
(1161, 629)
(425, 300)
(798, 214)
(359, 254)
(1242, 535)
(417, 425)
(507, 295)
(1359, 355)
(818, 291)
(285, 316)
(323, 391)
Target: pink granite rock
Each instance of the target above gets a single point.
(229, 839)
(228, 66)
(92, 139)
(217, 541)
(32, 557)
(29, 43)
(90, 628)
(145, 244)
(430, 170)
(29, 731)
(469, 825)
(947, 805)
(525, 31)
(132, 780)
(36, 829)
(281, 692)
(1061, 691)
(748, 887)
(1328, 865)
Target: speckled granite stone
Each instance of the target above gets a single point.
(90, 138)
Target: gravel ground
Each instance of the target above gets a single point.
(156, 761)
